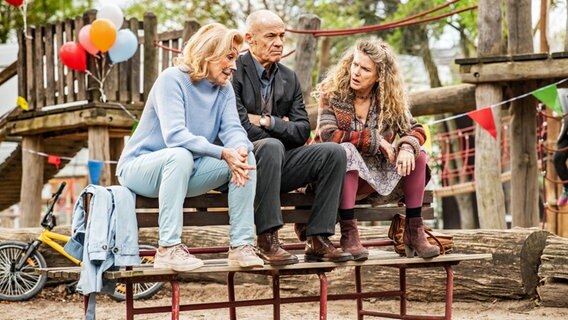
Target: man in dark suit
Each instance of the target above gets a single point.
(272, 111)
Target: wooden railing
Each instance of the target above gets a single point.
(43, 80)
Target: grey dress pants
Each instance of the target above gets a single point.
(280, 170)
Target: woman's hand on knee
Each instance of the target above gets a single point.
(405, 162)
(237, 160)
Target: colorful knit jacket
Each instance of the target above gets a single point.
(335, 122)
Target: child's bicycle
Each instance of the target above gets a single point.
(18, 260)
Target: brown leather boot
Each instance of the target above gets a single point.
(271, 252)
(350, 241)
(300, 229)
(415, 241)
(319, 248)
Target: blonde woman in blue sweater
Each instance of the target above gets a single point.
(171, 155)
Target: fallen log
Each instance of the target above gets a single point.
(450, 99)
(503, 277)
(553, 272)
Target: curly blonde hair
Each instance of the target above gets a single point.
(389, 95)
(210, 43)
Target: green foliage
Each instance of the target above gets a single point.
(405, 38)
(38, 12)
(172, 14)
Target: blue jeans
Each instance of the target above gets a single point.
(169, 174)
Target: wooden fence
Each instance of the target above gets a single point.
(44, 80)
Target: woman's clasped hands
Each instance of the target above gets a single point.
(237, 160)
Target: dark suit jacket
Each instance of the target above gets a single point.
(288, 101)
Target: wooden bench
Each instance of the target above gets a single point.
(210, 209)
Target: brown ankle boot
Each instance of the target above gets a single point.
(350, 241)
(271, 252)
(415, 240)
(319, 248)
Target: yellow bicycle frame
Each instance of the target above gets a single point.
(48, 238)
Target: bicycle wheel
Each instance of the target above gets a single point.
(141, 290)
(23, 284)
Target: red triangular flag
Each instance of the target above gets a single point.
(484, 117)
(54, 160)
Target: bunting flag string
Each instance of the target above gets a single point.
(54, 157)
(548, 95)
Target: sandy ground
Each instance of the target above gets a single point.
(55, 303)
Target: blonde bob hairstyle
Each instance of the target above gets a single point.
(210, 43)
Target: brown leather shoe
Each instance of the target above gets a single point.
(350, 241)
(300, 229)
(271, 252)
(319, 248)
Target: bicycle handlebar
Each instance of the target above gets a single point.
(48, 220)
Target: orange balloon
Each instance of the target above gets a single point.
(103, 34)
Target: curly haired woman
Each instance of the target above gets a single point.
(363, 106)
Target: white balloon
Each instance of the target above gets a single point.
(113, 13)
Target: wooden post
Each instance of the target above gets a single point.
(524, 175)
(543, 25)
(32, 181)
(324, 57)
(116, 146)
(189, 28)
(488, 187)
(150, 52)
(99, 150)
(306, 51)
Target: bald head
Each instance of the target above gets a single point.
(265, 37)
(262, 19)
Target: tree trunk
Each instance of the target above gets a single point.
(489, 193)
(524, 175)
(554, 273)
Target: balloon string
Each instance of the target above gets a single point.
(24, 11)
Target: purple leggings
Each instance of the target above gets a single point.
(412, 185)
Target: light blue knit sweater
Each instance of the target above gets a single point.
(182, 113)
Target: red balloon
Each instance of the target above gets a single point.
(73, 56)
(15, 3)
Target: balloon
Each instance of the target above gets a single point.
(85, 40)
(73, 56)
(124, 47)
(113, 13)
(103, 34)
(15, 3)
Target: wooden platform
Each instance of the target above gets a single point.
(514, 68)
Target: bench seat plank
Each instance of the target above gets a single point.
(376, 258)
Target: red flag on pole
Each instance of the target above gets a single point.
(484, 117)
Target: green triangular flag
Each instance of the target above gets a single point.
(549, 96)
(134, 126)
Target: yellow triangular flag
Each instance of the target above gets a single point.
(22, 103)
(428, 144)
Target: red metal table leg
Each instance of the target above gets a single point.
(449, 291)
(276, 296)
(358, 289)
(402, 279)
(129, 299)
(323, 295)
(231, 289)
(175, 300)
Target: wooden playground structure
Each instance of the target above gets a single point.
(65, 113)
